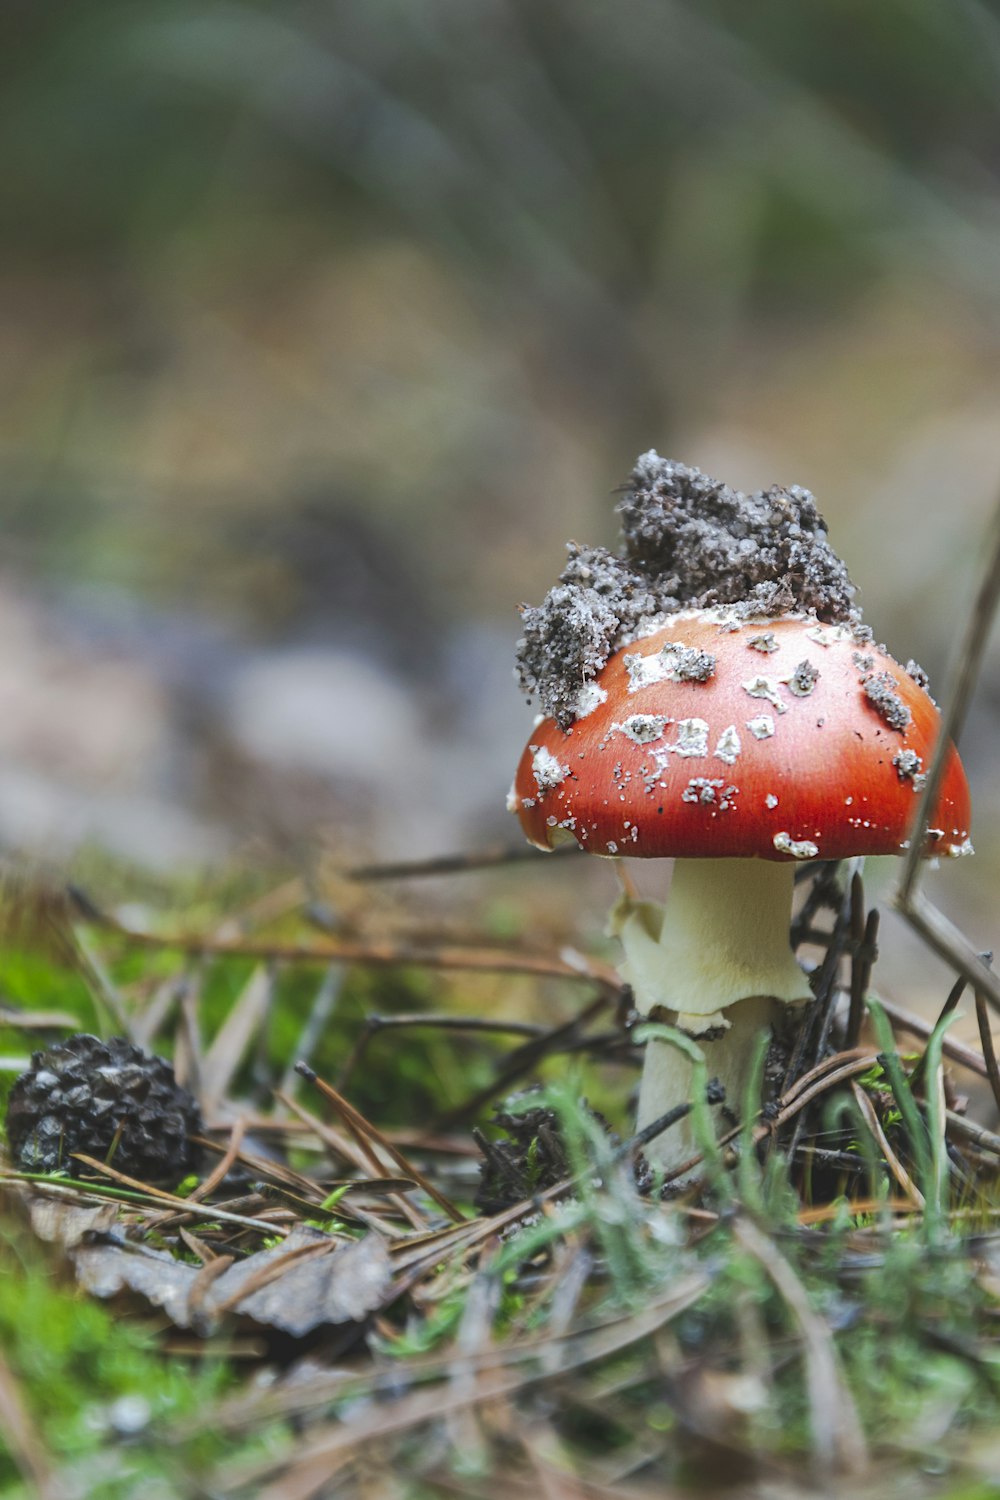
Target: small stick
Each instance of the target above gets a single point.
(456, 864)
(932, 925)
(989, 1051)
(378, 1023)
(862, 964)
(380, 952)
(815, 1027)
(917, 1026)
(183, 1205)
(826, 986)
(985, 1139)
(823, 892)
(222, 1166)
(519, 1063)
(963, 679)
(714, 1094)
(359, 1126)
(893, 1162)
(857, 908)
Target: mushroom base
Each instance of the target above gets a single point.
(667, 1076)
(717, 960)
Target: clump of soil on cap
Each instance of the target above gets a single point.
(688, 541)
(880, 690)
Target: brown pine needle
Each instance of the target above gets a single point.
(381, 952)
(989, 1051)
(893, 1162)
(360, 1128)
(220, 1169)
(183, 1205)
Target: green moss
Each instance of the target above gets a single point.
(85, 1374)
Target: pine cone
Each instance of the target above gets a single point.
(87, 1095)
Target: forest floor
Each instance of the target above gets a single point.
(419, 1253)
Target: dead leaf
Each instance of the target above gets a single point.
(107, 1270)
(60, 1222)
(309, 1280)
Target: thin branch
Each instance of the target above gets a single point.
(361, 1128)
(989, 1051)
(893, 1162)
(903, 1020)
(862, 962)
(570, 965)
(376, 1023)
(969, 659)
(521, 1061)
(458, 864)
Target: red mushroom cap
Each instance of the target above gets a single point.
(714, 736)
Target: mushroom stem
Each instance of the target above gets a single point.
(716, 962)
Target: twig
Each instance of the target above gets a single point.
(140, 1192)
(893, 1162)
(361, 1133)
(937, 931)
(970, 1131)
(827, 1075)
(969, 658)
(521, 1061)
(864, 932)
(904, 1020)
(817, 1028)
(360, 1127)
(989, 1051)
(374, 1024)
(373, 951)
(222, 1166)
(823, 892)
(952, 945)
(819, 1016)
(457, 864)
(714, 1094)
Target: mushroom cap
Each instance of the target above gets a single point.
(719, 736)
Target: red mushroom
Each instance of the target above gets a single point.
(740, 747)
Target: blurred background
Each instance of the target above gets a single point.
(323, 326)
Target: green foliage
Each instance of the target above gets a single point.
(86, 1375)
(906, 1315)
(906, 1311)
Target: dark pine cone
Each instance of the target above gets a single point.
(87, 1095)
(531, 1159)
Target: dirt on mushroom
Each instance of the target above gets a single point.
(687, 541)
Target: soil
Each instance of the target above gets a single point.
(688, 541)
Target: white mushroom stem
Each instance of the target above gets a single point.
(716, 962)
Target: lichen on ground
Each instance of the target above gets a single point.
(688, 541)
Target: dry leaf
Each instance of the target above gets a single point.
(309, 1280)
(56, 1214)
(342, 1287)
(107, 1270)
